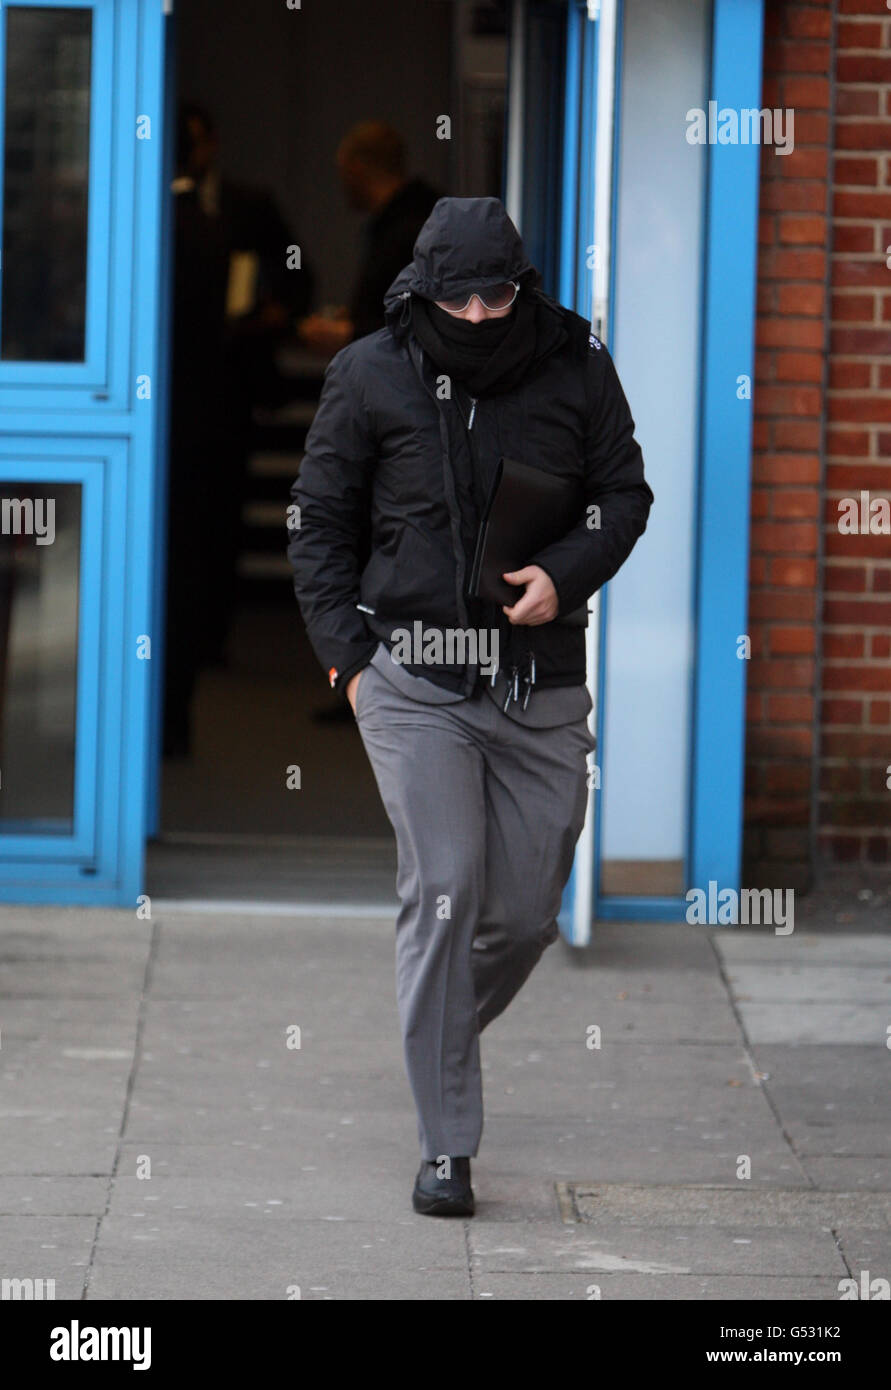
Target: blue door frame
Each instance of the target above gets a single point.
(95, 423)
(714, 839)
(728, 349)
(104, 434)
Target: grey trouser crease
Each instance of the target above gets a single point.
(486, 813)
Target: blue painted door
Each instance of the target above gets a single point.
(80, 196)
(656, 245)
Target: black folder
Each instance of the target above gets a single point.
(526, 510)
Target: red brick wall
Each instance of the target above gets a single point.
(854, 802)
(790, 365)
(820, 602)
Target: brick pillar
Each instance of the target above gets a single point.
(854, 800)
(790, 365)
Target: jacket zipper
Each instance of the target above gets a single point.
(469, 426)
(463, 616)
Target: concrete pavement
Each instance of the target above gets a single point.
(164, 1136)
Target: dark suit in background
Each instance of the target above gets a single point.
(388, 245)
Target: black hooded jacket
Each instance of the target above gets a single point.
(397, 458)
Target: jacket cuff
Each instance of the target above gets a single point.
(339, 679)
(563, 607)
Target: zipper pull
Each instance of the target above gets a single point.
(472, 413)
(510, 689)
(530, 680)
(406, 313)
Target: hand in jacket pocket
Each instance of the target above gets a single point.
(352, 686)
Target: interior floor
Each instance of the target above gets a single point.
(306, 873)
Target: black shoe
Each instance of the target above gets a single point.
(445, 1196)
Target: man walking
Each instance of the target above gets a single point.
(479, 746)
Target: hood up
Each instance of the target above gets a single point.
(465, 244)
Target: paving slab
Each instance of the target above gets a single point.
(632, 1152)
(611, 973)
(578, 1286)
(29, 980)
(35, 1094)
(262, 1254)
(800, 1022)
(829, 1139)
(688, 1084)
(634, 1018)
(66, 1143)
(849, 1079)
(67, 1022)
(866, 1248)
(47, 1247)
(710, 1250)
(411, 1286)
(848, 1173)
(790, 1208)
(643, 946)
(724, 1062)
(345, 1010)
(237, 1053)
(77, 931)
(811, 983)
(155, 1095)
(831, 1099)
(27, 1195)
(278, 1127)
(267, 1158)
(72, 954)
(282, 959)
(306, 1191)
(838, 948)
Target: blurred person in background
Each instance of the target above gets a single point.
(235, 302)
(371, 160)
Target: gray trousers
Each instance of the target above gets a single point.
(486, 812)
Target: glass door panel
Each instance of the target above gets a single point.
(64, 278)
(649, 643)
(53, 651)
(40, 541)
(542, 136)
(43, 311)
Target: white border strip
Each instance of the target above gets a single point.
(603, 165)
(513, 193)
(583, 898)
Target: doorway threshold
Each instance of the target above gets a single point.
(272, 875)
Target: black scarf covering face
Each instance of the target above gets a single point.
(486, 357)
